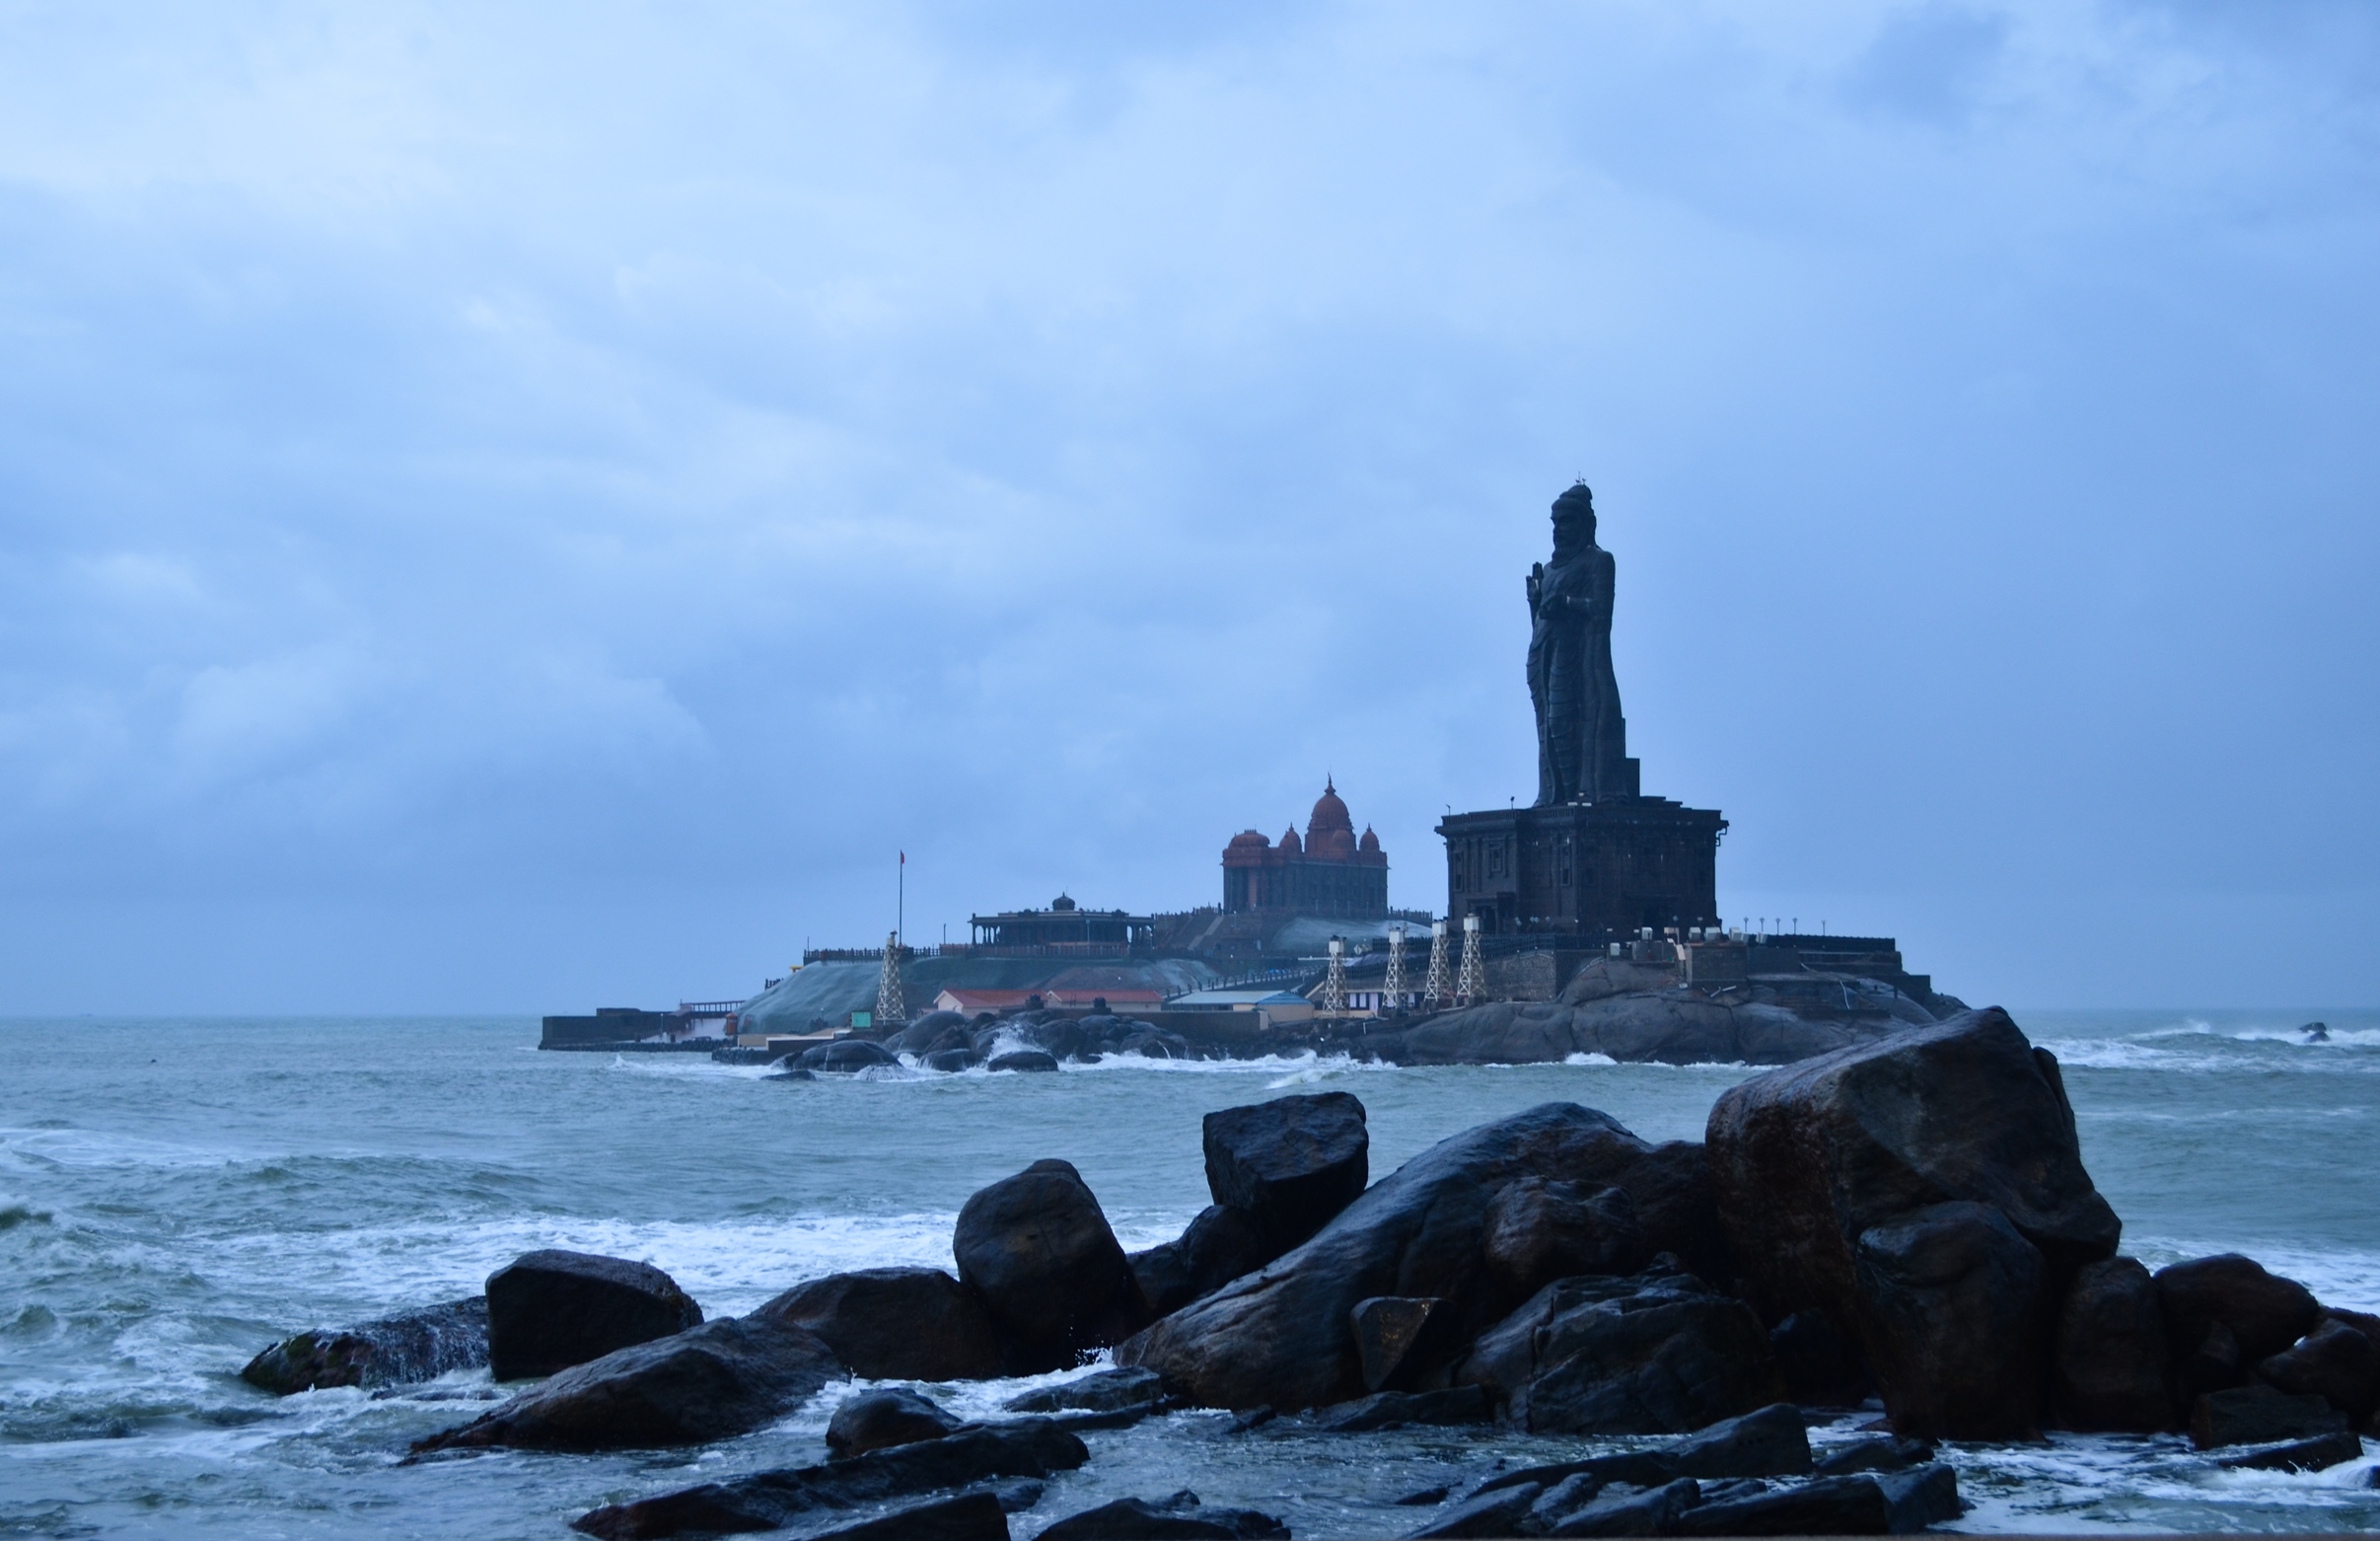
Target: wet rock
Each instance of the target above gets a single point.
(1559, 1501)
(1023, 1060)
(2336, 1361)
(1452, 1407)
(1179, 1517)
(2259, 1314)
(1107, 1391)
(1390, 1331)
(2319, 1454)
(790, 1075)
(1768, 1442)
(964, 1516)
(1655, 1361)
(1877, 1453)
(772, 1499)
(1289, 1165)
(1423, 1498)
(1623, 1510)
(725, 1377)
(2113, 1371)
(1281, 1337)
(1484, 1514)
(1808, 1160)
(1820, 1366)
(950, 1061)
(1955, 1307)
(896, 1324)
(1823, 1507)
(1218, 1247)
(549, 1310)
(2257, 1413)
(880, 1418)
(1677, 1209)
(845, 1057)
(1039, 1251)
(1539, 1231)
(1921, 1496)
(925, 1034)
(395, 1351)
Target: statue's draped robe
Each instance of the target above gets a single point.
(1581, 737)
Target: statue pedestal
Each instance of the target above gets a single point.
(1589, 871)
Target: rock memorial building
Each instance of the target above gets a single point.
(1593, 856)
(1330, 872)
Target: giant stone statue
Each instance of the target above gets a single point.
(1582, 741)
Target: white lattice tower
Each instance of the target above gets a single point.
(1392, 984)
(1335, 980)
(1433, 979)
(1471, 983)
(889, 1008)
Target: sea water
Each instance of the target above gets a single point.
(174, 1195)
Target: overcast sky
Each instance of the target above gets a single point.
(519, 508)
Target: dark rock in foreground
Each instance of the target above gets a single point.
(1853, 1184)
(896, 1324)
(2337, 1361)
(1821, 1369)
(1539, 1231)
(2257, 1413)
(725, 1377)
(2224, 1313)
(1108, 1391)
(1039, 1251)
(1217, 1247)
(1451, 1407)
(772, 1499)
(1768, 1442)
(2113, 1371)
(1027, 1060)
(1289, 1165)
(2319, 1454)
(1282, 1335)
(1179, 1517)
(412, 1346)
(549, 1310)
(1656, 1355)
(881, 1419)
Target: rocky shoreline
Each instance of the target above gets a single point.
(1907, 1218)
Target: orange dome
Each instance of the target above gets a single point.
(1289, 841)
(1247, 839)
(1331, 834)
(1370, 843)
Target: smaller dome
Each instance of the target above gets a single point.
(1290, 843)
(1370, 843)
(1061, 904)
(1247, 839)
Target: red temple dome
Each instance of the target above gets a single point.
(1289, 841)
(1247, 839)
(1330, 832)
(1370, 843)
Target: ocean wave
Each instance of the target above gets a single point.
(2274, 1054)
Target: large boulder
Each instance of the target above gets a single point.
(2336, 1361)
(1283, 1336)
(2257, 1413)
(1539, 1231)
(723, 1379)
(1217, 1248)
(1807, 1161)
(896, 1324)
(2224, 1313)
(1290, 1164)
(1037, 1249)
(1611, 1356)
(2112, 1371)
(549, 1310)
(410, 1346)
(1953, 1298)
(845, 1057)
(773, 1499)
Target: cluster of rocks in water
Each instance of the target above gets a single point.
(1612, 1006)
(1906, 1220)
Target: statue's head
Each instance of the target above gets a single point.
(1573, 521)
